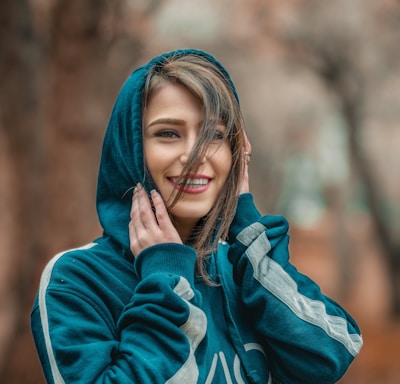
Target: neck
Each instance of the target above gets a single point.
(184, 227)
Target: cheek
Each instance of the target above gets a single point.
(148, 161)
(154, 161)
(224, 161)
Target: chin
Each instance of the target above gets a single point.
(189, 214)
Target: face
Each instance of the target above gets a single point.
(171, 125)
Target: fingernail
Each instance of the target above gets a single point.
(137, 188)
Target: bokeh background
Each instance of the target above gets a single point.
(319, 83)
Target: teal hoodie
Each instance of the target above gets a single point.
(101, 316)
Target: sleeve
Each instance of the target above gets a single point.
(156, 336)
(308, 337)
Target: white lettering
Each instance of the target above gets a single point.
(236, 365)
(226, 369)
(211, 374)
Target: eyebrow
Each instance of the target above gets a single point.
(173, 121)
(167, 120)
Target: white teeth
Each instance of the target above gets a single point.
(191, 182)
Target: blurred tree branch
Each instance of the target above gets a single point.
(339, 66)
(332, 48)
(350, 46)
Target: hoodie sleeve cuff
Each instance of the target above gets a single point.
(246, 214)
(172, 258)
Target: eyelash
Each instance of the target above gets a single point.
(218, 135)
(169, 133)
(166, 133)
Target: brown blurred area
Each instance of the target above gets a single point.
(320, 90)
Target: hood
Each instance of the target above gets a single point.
(122, 165)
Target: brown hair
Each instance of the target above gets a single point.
(207, 83)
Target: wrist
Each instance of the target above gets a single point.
(246, 214)
(170, 258)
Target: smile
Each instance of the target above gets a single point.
(193, 184)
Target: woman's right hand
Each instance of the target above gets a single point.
(147, 228)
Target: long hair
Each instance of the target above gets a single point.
(209, 85)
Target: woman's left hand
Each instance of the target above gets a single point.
(147, 228)
(244, 183)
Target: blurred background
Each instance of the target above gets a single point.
(319, 83)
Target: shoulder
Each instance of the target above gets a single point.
(63, 261)
(94, 264)
(94, 274)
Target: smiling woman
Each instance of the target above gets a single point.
(205, 108)
(189, 283)
(172, 120)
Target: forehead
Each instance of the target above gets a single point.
(175, 100)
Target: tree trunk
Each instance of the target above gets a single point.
(20, 129)
(388, 243)
(55, 99)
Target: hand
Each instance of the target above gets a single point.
(244, 183)
(147, 228)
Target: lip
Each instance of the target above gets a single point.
(196, 183)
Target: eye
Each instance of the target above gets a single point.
(166, 133)
(219, 134)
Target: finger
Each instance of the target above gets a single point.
(133, 239)
(134, 225)
(132, 213)
(246, 142)
(135, 217)
(244, 182)
(145, 212)
(160, 210)
(143, 228)
(138, 209)
(167, 229)
(246, 149)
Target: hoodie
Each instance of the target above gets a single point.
(103, 316)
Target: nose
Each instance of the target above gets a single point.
(187, 150)
(183, 158)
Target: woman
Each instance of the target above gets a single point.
(189, 283)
